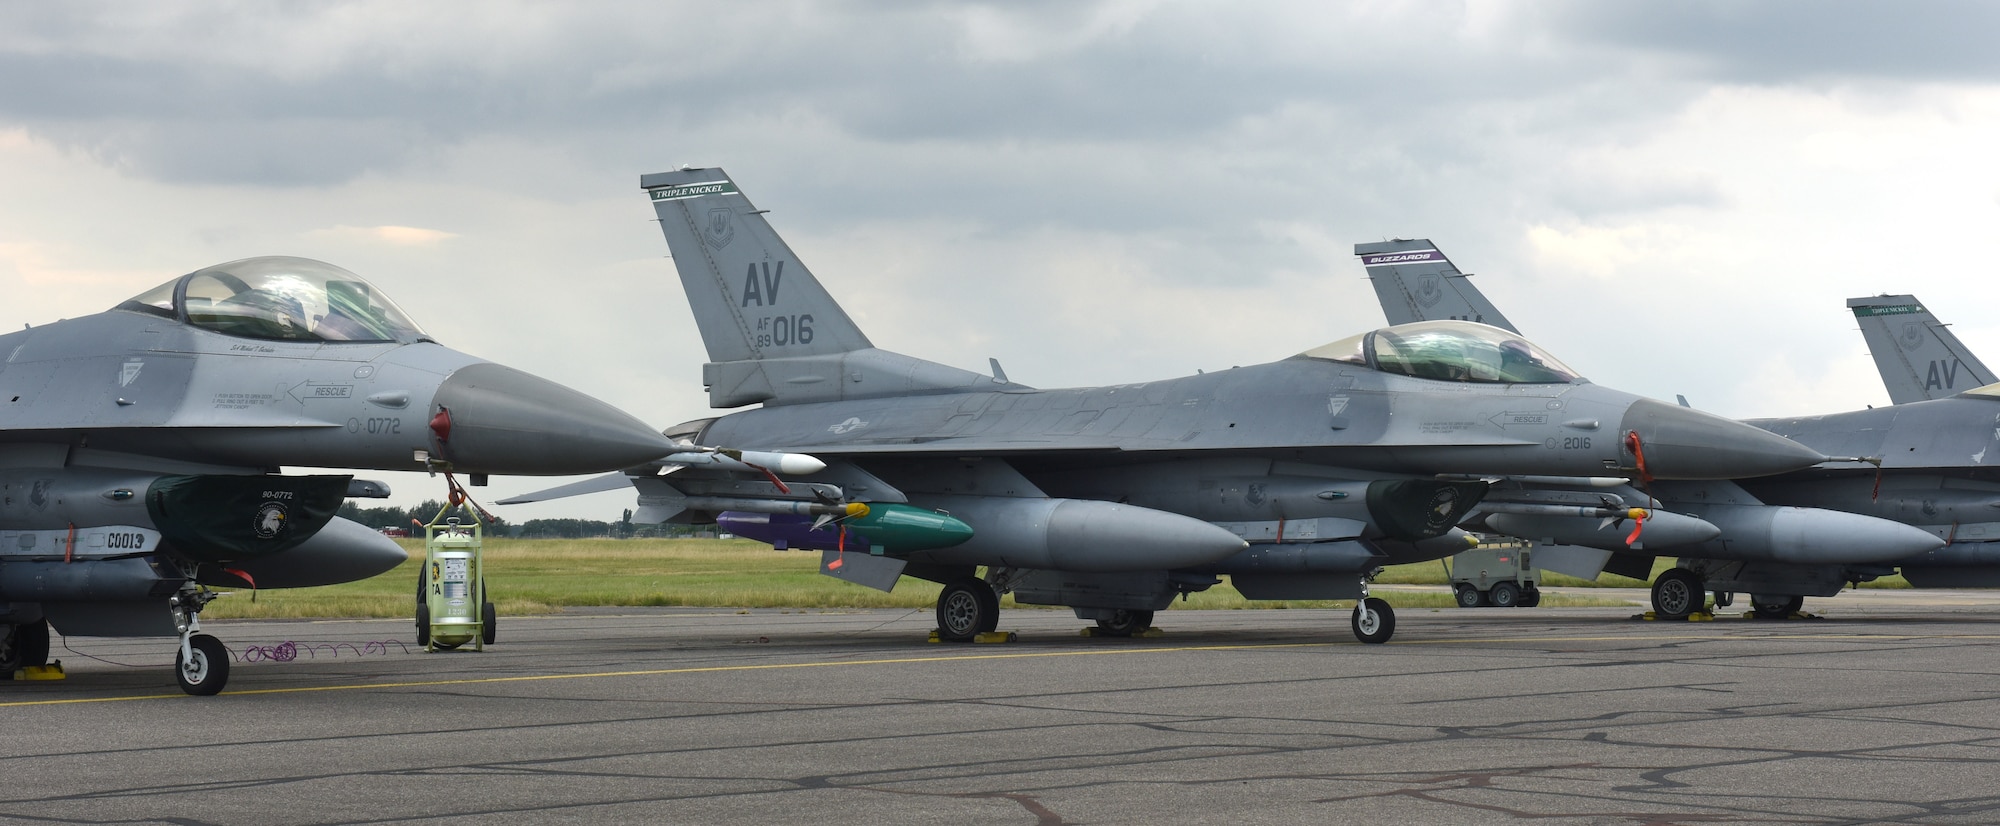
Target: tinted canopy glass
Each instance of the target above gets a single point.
(283, 298)
(1449, 351)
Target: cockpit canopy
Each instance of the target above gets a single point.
(281, 298)
(1449, 351)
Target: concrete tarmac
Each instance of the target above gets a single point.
(1885, 711)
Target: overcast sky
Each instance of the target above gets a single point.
(1672, 197)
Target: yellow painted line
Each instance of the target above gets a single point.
(716, 669)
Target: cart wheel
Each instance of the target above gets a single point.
(487, 627)
(423, 625)
(1531, 596)
(1468, 596)
(1505, 594)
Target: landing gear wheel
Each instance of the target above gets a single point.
(1468, 596)
(25, 646)
(424, 625)
(1775, 607)
(487, 626)
(1374, 621)
(204, 668)
(1676, 594)
(1531, 596)
(967, 608)
(1505, 595)
(1125, 623)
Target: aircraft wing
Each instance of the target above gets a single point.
(595, 484)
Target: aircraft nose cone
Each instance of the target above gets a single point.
(1682, 443)
(487, 418)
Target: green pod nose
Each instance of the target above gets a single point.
(902, 529)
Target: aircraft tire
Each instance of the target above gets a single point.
(1125, 623)
(966, 608)
(423, 625)
(1677, 593)
(1468, 596)
(1775, 607)
(1374, 621)
(25, 645)
(488, 623)
(1505, 595)
(208, 671)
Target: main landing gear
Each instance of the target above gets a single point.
(1677, 594)
(23, 646)
(967, 608)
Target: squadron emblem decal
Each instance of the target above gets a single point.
(1913, 335)
(270, 520)
(721, 227)
(1427, 290)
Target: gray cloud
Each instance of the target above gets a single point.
(1801, 40)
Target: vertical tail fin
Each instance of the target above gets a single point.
(773, 333)
(751, 296)
(1415, 282)
(1918, 356)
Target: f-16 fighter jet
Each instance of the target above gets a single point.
(141, 448)
(1298, 479)
(1781, 538)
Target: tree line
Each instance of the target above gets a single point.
(412, 520)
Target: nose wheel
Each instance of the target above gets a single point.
(202, 666)
(1374, 621)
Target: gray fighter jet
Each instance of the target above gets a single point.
(1932, 508)
(1298, 479)
(140, 448)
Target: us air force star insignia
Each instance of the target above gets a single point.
(1913, 336)
(852, 424)
(129, 372)
(1427, 290)
(721, 228)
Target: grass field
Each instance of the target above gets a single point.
(541, 576)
